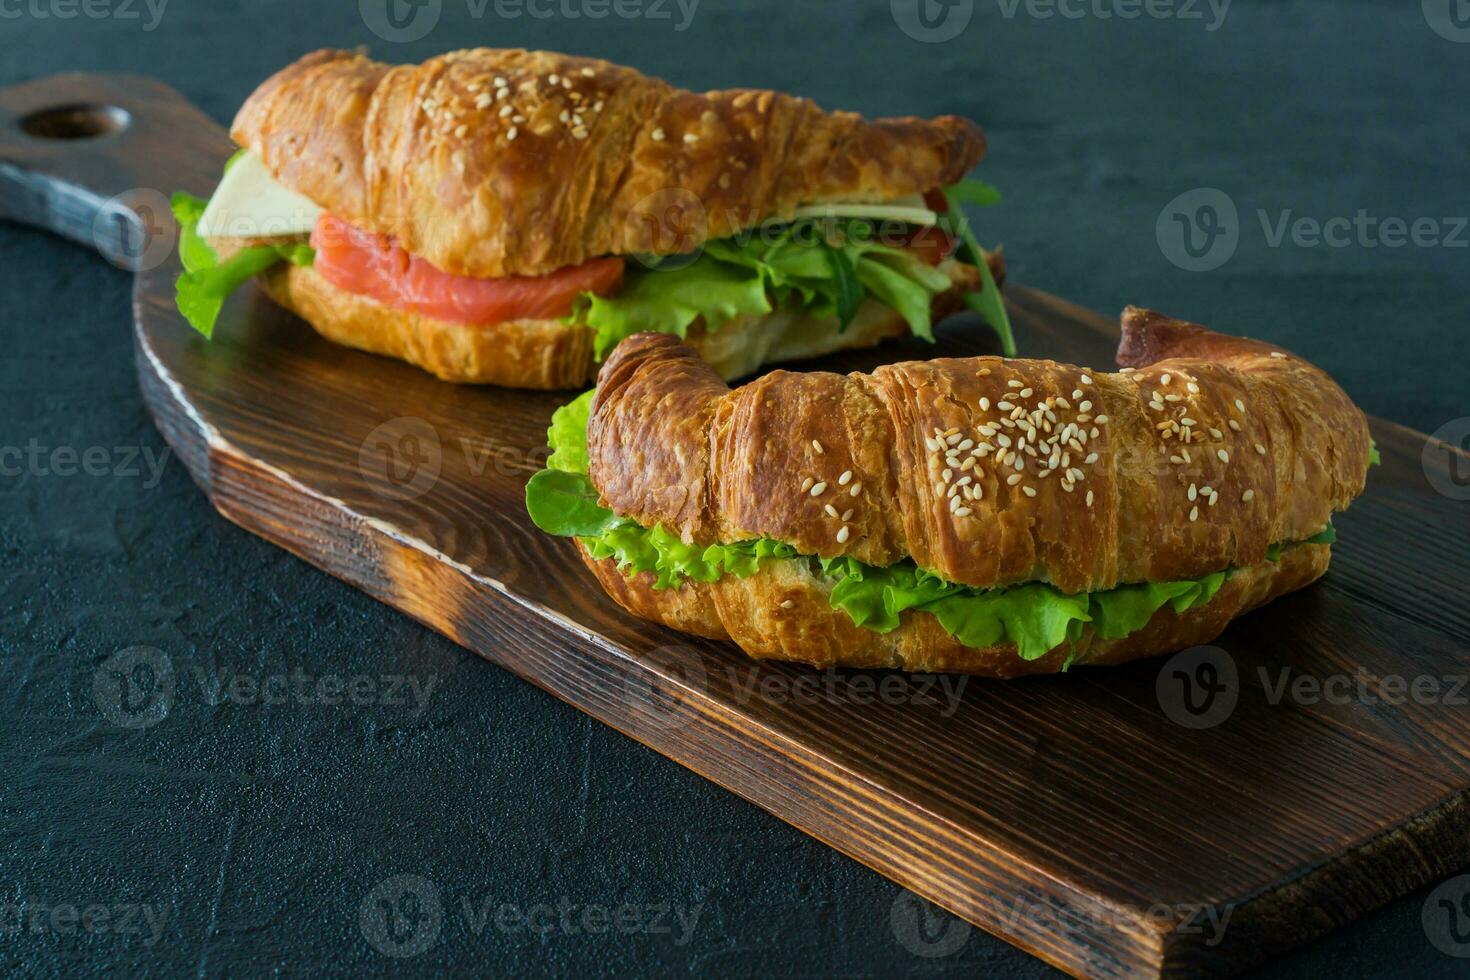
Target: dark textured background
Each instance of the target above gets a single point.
(261, 829)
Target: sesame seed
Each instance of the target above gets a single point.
(931, 445)
(580, 133)
(1025, 392)
(985, 372)
(984, 404)
(1014, 383)
(1173, 398)
(1029, 491)
(1192, 388)
(847, 514)
(1085, 406)
(948, 475)
(845, 478)
(588, 72)
(953, 438)
(1164, 425)
(1013, 479)
(1234, 425)
(500, 81)
(1086, 380)
(1260, 449)
(1164, 379)
(1005, 406)
(967, 444)
(1216, 433)
(1062, 402)
(831, 511)
(963, 512)
(1193, 514)
(1193, 492)
(954, 503)
(510, 134)
(483, 100)
(1100, 420)
(807, 484)
(691, 138)
(1214, 496)
(842, 535)
(787, 604)
(939, 489)
(506, 110)
(1277, 354)
(1185, 453)
(1224, 456)
(1240, 404)
(819, 489)
(1188, 421)
(1248, 496)
(1177, 460)
(1089, 498)
(461, 131)
(857, 488)
(818, 447)
(658, 134)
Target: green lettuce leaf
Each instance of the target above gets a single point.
(1374, 459)
(201, 291)
(1035, 616)
(987, 302)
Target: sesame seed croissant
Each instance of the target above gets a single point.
(492, 163)
(1200, 455)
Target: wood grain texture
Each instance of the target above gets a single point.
(1069, 815)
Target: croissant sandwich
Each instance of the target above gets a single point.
(507, 217)
(992, 516)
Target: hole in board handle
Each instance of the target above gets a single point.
(76, 122)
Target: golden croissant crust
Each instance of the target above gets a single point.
(1201, 453)
(494, 162)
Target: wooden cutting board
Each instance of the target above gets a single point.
(1108, 821)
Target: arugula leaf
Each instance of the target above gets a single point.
(972, 191)
(847, 291)
(201, 291)
(987, 302)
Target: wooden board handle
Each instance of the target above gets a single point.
(94, 158)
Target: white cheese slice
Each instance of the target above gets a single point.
(250, 203)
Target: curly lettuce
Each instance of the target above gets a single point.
(1037, 617)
